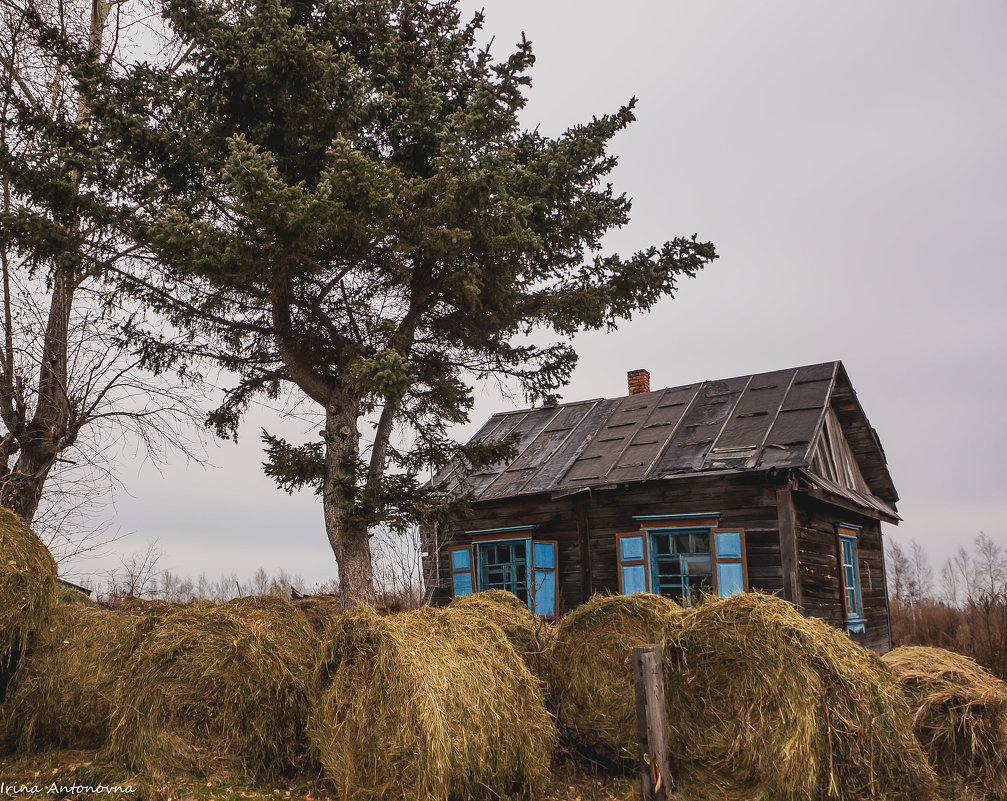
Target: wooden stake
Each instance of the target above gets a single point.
(651, 723)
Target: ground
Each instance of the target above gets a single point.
(86, 768)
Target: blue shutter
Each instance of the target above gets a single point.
(729, 562)
(631, 555)
(462, 582)
(544, 557)
(849, 571)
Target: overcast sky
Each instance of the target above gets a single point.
(849, 161)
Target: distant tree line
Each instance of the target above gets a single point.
(964, 608)
(398, 578)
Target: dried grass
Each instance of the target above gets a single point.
(432, 705)
(765, 704)
(960, 715)
(220, 692)
(27, 590)
(589, 675)
(506, 610)
(62, 693)
(319, 610)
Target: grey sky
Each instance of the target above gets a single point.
(849, 162)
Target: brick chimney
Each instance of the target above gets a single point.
(639, 381)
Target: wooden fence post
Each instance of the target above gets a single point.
(651, 723)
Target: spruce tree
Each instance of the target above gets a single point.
(338, 195)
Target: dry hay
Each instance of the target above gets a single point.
(430, 705)
(62, 693)
(765, 704)
(27, 590)
(510, 613)
(961, 714)
(590, 676)
(217, 691)
(319, 609)
(72, 597)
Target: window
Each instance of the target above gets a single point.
(683, 563)
(849, 572)
(523, 566)
(504, 566)
(681, 557)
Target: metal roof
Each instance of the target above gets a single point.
(749, 423)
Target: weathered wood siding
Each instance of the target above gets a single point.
(585, 525)
(819, 567)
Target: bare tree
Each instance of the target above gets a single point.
(398, 568)
(138, 576)
(71, 395)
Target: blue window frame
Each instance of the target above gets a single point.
(849, 571)
(504, 566)
(682, 561)
(525, 567)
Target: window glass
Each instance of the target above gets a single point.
(504, 566)
(682, 564)
(851, 579)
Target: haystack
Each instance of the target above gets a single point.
(319, 609)
(221, 692)
(431, 705)
(589, 674)
(960, 715)
(62, 693)
(68, 595)
(526, 632)
(767, 705)
(27, 590)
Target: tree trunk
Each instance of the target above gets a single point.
(347, 535)
(21, 489)
(49, 431)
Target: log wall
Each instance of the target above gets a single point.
(585, 524)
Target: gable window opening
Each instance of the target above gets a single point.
(508, 559)
(682, 557)
(849, 572)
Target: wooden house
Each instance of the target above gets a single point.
(774, 482)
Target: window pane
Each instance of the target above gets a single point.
(698, 565)
(701, 542)
(683, 566)
(503, 566)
